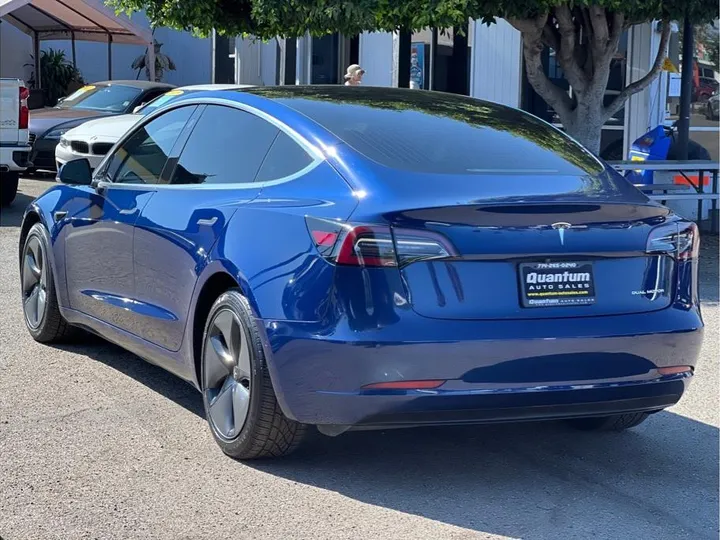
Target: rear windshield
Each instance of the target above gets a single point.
(440, 133)
(111, 98)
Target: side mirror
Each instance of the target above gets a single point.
(76, 172)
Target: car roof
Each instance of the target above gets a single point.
(202, 87)
(144, 85)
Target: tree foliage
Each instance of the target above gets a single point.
(291, 18)
(584, 35)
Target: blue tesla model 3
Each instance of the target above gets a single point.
(369, 258)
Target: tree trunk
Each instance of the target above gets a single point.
(584, 124)
(585, 40)
(585, 121)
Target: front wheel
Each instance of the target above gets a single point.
(8, 187)
(617, 422)
(40, 306)
(240, 404)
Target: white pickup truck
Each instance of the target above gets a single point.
(14, 136)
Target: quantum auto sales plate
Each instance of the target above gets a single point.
(557, 284)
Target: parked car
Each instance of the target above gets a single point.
(706, 87)
(94, 138)
(369, 258)
(14, 146)
(712, 109)
(101, 99)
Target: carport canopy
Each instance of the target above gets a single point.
(83, 20)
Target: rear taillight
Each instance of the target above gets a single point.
(376, 245)
(367, 246)
(682, 240)
(24, 115)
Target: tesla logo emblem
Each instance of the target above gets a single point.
(561, 227)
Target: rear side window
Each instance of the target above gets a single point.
(285, 158)
(227, 146)
(430, 133)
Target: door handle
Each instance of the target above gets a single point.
(209, 221)
(60, 215)
(128, 211)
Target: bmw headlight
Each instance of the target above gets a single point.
(64, 142)
(57, 132)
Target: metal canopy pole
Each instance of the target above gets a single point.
(686, 77)
(109, 55)
(36, 54)
(72, 37)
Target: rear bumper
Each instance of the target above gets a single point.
(15, 158)
(495, 371)
(528, 404)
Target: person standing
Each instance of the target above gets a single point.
(354, 75)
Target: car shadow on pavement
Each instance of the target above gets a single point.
(531, 480)
(11, 216)
(151, 376)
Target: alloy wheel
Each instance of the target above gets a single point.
(227, 374)
(34, 282)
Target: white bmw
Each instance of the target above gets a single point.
(92, 140)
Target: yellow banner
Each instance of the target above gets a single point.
(669, 66)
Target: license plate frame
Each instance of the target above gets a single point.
(571, 284)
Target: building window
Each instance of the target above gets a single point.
(613, 132)
(440, 60)
(331, 55)
(704, 119)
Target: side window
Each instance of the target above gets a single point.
(286, 157)
(226, 146)
(141, 158)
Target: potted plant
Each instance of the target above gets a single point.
(57, 76)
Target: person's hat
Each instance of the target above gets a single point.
(352, 70)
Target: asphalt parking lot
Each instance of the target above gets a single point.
(96, 443)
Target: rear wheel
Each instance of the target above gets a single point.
(8, 187)
(240, 404)
(617, 422)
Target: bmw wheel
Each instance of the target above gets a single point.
(40, 307)
(240, 404)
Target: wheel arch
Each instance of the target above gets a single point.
(30, 218)
(217, 279)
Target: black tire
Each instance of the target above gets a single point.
(618, 422)
(8, 187)
(696, 151)
(50, 326)
(265, 431)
